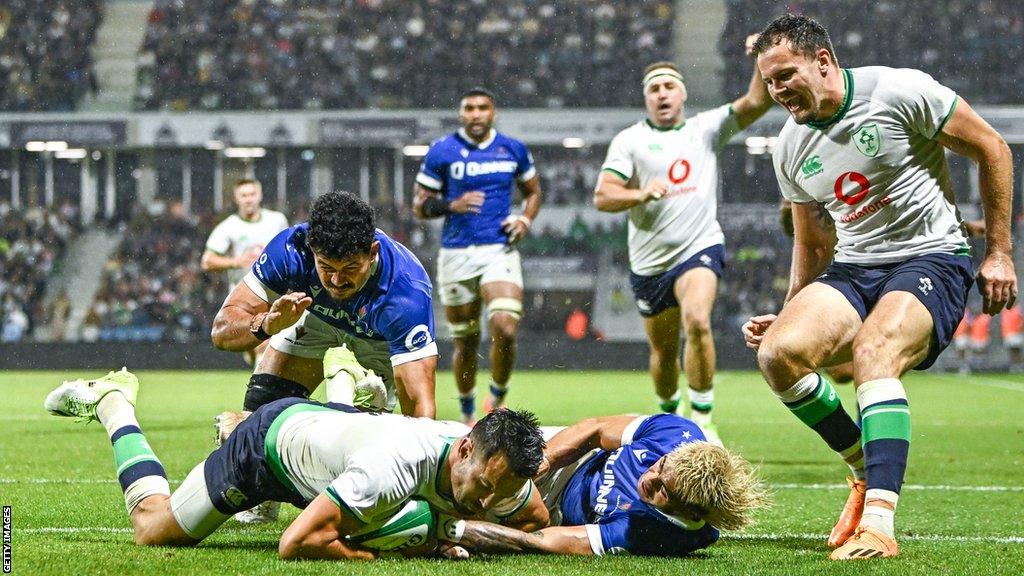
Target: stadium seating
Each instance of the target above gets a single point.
(973, 47)
(31, 242)
(45, 53)
(313, 54)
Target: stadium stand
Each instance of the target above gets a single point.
(318, 54)
(973, 47)
(31, 242)
(46, 59)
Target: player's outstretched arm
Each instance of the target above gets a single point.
(574, 441)
(496, 539)
(967, 134)
(213, 262)
(813, 245)
(613, 194)
(319, 534)
(244, 311)
(756, 101)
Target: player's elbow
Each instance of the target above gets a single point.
(601, 201)
(219, 334)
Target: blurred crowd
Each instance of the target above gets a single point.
(45, 53)
(31, 242)
(313, 54)
(971, 46)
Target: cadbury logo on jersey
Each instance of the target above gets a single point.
(458, 170)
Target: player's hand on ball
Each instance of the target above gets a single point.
(997, 282)
(286, 311)
(754, 329)
(470, 202)
(654, 190)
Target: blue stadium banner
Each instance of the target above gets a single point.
(93, 133)
(367, 131)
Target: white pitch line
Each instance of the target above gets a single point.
(936, 487)
(770, 537)
(989, 381)
(916, 537)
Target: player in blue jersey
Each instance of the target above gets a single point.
(648, 485)
(334, 281)
(468, 177)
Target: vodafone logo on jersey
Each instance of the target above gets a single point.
(851, 188)
(679, 171)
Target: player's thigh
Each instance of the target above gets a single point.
(895, 337)
(306, 371)
(816, 328)
(663, 331)
(462, 313)
(695, 290)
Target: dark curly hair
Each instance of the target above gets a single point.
(806, 36)
(340, 226)
(514, 433)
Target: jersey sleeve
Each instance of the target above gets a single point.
(923, 104)
(407, 322)
(664, 432)
(432, 172)
(369, 489)
(619, 160)
(525, 170)
(219, 241)
(645, 535)
(271, 273)
(720, 126)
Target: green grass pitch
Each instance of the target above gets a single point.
(962, 511)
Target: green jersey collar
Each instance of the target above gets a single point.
(847, 100)
(669, 129)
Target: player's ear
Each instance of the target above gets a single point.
(685, 95)
(464, 448)
(824, 60)
(374, 249)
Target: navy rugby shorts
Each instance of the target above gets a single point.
(654, 293)
(940, 281)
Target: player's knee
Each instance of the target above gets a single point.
(871, 350)
(503, 326)
(266, 388)
(697, 323)
(778, 359)
(467, 331)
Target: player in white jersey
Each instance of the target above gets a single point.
(346, 469)
(240, 238)
(664, 171)
(870, 144)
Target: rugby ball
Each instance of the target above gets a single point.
(412, 526)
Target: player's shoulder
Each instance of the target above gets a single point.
(405, 265)
(274, 215)
(885, 84)
(636, 132)
(446, 143)
(506, 140)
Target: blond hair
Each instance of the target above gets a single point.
(720, 487)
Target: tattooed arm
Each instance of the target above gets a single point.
(496, 539)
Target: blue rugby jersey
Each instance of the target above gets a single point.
(455, 165)
(393, 306)
(603, 495)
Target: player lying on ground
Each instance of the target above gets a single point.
(649, 485)
(869, 143)
(347, 469)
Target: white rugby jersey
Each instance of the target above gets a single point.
(878, 168)
(233, 236)
(665, 232)
(370, 464)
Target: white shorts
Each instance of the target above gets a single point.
(192, 507)
(461, 271)
(310, 337)
(1013, 340)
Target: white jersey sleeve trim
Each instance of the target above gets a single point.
(528, 175)
(631, 428)
(594, 535)
(406, 357)
(259, 288)
(429, 182)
